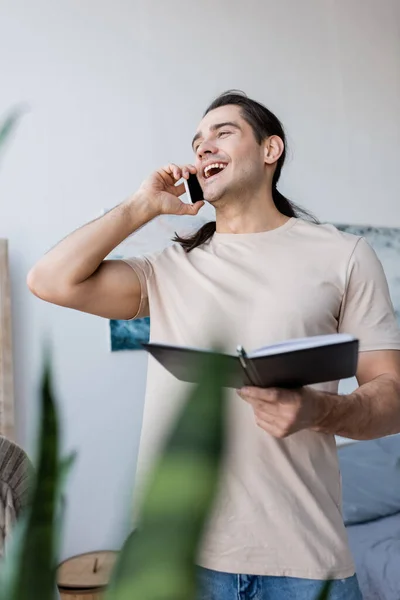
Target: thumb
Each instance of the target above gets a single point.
(193, 209)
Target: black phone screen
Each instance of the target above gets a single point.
(196, 193)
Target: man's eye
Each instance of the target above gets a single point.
(221, 133)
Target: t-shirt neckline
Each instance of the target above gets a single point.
(237, 237)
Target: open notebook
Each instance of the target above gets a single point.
(291, 363)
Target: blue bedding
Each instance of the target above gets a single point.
(370, 479)
(376, 551)
(371, 510)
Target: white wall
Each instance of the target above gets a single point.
(116, 89)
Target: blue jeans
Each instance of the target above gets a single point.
(225, 586)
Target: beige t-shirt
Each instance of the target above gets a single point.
(279, 508)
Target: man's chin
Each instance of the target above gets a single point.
(213, 196)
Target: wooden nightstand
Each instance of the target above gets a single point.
(85, 577)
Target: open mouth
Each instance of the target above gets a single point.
(213, 170)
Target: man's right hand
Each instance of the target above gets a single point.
(75, 273)
(162, 193)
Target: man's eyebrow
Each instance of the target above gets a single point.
(216, 127)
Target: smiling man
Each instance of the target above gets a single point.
(263, 272)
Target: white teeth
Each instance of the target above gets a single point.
(213, 166)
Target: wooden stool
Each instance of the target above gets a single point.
(85, 577)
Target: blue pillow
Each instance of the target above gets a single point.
(370, 479)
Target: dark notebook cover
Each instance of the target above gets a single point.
(293, 367)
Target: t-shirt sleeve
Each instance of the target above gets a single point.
(143, 267)
(367, 311)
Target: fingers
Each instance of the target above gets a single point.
(179, 189)
(188, 170)
(276, 411)
(177, 172)
(272, 421)
(169, 172)
(193, 209)
(185, 172)
(251, 394)
(197, 206)
(273, 429)
(278, 428)
(265, 412)
(264, 422)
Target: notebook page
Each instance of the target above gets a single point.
(302, 344)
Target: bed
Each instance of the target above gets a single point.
(371, 510)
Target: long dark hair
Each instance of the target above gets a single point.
(264, 124)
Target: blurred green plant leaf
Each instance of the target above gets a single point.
(8, 125)
(28, 571)
(324, 595)
(157, 561)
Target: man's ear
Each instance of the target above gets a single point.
(273, 149)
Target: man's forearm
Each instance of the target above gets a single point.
(371, 411)
(77, 256)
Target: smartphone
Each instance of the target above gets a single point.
(193, 189)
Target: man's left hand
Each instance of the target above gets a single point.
(281, 412)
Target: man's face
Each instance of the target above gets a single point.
(229, 160)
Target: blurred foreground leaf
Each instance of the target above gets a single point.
(8, 125)
(158, 560)
(29, 568)
(324, 595)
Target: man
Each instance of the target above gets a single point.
(259, 275)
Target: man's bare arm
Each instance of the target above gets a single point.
(373, 410)
(76, 274)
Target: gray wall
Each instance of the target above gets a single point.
(116, 89)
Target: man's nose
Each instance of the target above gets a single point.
(206, 148)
